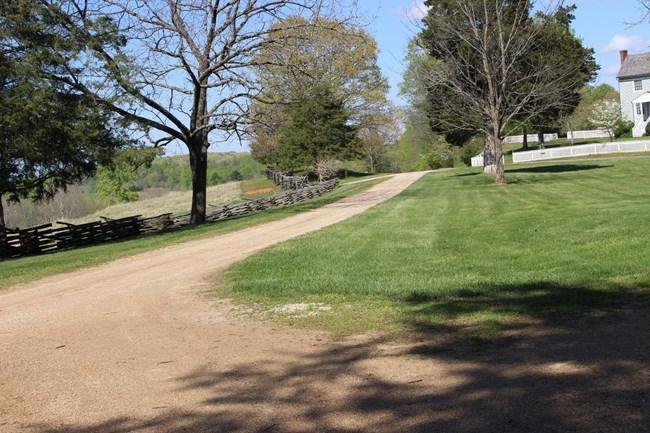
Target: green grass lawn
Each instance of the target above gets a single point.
(456, 254)
(31, 268)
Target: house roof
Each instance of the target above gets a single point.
(635, 65)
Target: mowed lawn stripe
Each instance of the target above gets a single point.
(559, 238)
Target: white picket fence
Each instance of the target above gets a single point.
(580, 150)
(477, 161)
(531, 138)
(581, 135)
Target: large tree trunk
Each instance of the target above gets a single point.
(500, 175)
(199, 166)
(525, 138)
(494, 163)
(489, 157)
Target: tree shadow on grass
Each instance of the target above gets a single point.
(584, 366)
(547, 168)
(557, 168)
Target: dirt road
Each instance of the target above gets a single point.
(137, 346)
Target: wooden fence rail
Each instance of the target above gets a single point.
(288, 183)
(45, 238)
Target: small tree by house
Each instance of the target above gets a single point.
(607, 117)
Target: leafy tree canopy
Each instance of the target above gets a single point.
(498, 62)
(182, 69)
(301, 57)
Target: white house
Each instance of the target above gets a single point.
(634, 88)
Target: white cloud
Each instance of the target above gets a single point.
(416, 11)
(621, 42)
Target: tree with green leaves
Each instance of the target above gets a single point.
(433, 110)
(50, 135)
(491, 66)
(378, 135)
(325, 53)
(590, 96)
(117, 179)
(318, 129)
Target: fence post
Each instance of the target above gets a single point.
(4, 244)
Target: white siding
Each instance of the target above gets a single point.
(626, 89)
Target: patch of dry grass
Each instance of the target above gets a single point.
(177, 202)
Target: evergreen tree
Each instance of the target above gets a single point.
(318, 128)
(50, 135)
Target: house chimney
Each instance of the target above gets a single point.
(623, 55)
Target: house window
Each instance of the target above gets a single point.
(638, 109)
(638, 85)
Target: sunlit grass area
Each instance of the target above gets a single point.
(455, 251)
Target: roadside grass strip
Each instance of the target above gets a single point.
(28, 269)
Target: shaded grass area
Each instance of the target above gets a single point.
(32, 268)
(456, 255)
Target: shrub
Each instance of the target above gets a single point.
(470, 150)
(439, 154)
(623, 128)
(326, 168)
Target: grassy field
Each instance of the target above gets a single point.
(457, 255)
(31, 268)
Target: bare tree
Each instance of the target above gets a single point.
(644, 12)
(180, 68)
(326, 168)
(494, 63)
(378, 132)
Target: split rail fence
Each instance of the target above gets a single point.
(46, 238)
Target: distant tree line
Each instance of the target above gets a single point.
(174, 173)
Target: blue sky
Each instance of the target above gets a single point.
(600, 23)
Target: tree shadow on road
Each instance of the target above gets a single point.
(578, 369)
